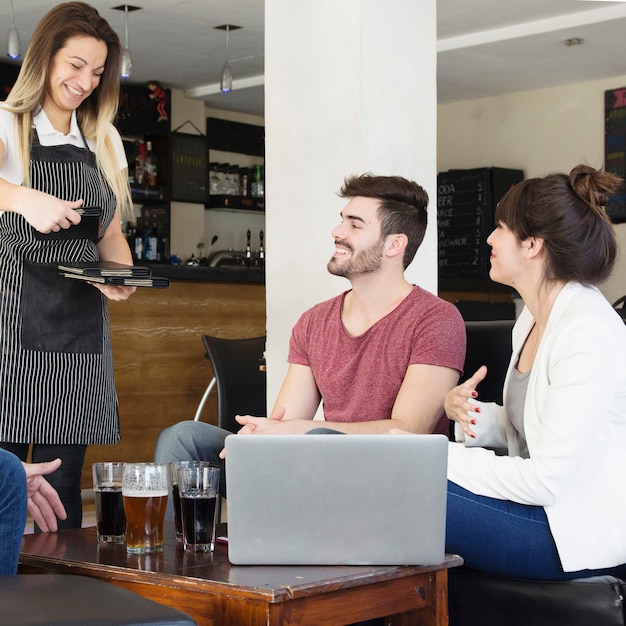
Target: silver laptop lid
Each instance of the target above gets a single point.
(336, 499)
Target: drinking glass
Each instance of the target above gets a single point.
(199, 492)
(144, 491)
(107, 487)
(174, 467)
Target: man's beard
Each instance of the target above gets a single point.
(366, 261)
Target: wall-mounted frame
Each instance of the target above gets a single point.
(190, 171)
(615, 147)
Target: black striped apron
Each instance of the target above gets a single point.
(56, 366)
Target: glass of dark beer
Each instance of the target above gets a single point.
(144, 492)
(199, 491)
(107, 487)
(174, 467)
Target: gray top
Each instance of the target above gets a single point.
(515, 399)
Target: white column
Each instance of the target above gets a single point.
(350, 87)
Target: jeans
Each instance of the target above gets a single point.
(191, 441)
(506, 538)
(12, 511)
(66, 480)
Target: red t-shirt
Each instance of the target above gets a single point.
(359, 377)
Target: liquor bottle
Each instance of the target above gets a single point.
(151, 165)
(140, 164)
(138, 247)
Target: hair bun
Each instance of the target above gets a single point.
(594, 187)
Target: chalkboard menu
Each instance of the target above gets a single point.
(615, 146)
(190, 170)
(466, 201)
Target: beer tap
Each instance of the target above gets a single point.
(248, 249)
(261, 250)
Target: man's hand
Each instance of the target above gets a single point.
(273, 424)
(44, 503)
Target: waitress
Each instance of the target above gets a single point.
(59, 153)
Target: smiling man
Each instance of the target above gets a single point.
(381, 355)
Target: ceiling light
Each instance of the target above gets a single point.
(574, 41)
(127, 61)
(226, 78)
(13, 47)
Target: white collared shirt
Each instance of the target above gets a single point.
(11, 166)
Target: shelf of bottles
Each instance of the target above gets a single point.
(235, 187)
(147, 172)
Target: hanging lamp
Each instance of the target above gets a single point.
(13, 47)
(127, 61)
(226, 77)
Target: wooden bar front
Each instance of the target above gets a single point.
(160, 368)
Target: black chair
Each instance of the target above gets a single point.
(241, 383)
(478, 599)
(70, 600)
(489, 343)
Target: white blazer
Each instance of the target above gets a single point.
(575, 425)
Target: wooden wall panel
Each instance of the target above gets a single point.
(160, 368)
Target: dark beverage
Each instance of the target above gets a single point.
(110, 518)
(198, 513)
(178, 521)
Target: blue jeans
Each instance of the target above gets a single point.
(13, 506)
(503, 537)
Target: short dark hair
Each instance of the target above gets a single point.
(402, 208)
(567, 212)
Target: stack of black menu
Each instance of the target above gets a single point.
(111, 273)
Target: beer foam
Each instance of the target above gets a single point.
(138, 493)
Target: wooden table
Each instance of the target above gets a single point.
(214, 592)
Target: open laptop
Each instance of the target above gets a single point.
(336, 499)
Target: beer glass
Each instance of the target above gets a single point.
(174, 467)
(107, 487)
(144, 491)
(199, 491)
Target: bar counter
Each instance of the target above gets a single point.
(160, 368)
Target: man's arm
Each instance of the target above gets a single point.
(294, 409)
(417, 409)
(418, 406)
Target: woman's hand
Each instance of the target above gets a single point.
(458, 404)
(115, 292)
(48, 214)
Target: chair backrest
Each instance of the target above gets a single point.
(241, 385)
(489, 343)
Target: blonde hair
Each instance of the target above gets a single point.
(96, 114)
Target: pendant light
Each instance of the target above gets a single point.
(226, 78)
(127, 61)
(13, 47)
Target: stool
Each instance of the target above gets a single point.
(68, 600)
(475, 598)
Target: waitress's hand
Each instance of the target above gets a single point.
(48, 214)
(115, 292)
(458, 404)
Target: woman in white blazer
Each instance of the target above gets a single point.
(554, 506)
